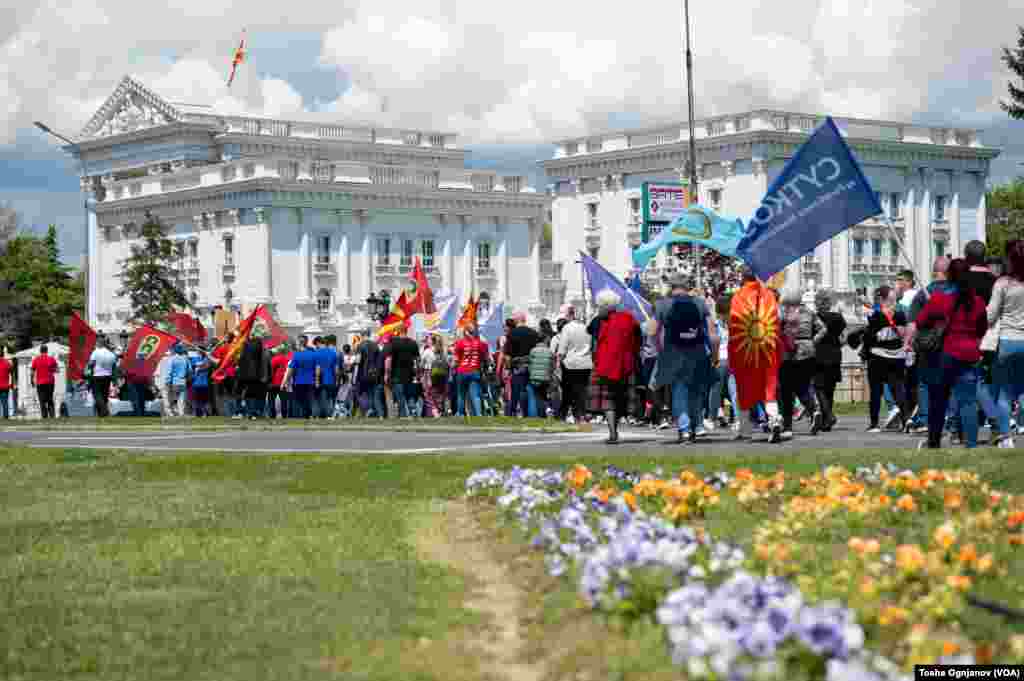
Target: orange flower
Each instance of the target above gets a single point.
(952, 499)
(944, 535)
(1015, 520)
(864, 546)
(906, 503)
(961, 582)
(630, 500)
(950, 648)
(603, 494)
(868, 587)
(884, 501)
(579, 476)
(744, 474)
(890, 615)
(984, 563)
(909, 558)
(968, 554)
(1017, 540)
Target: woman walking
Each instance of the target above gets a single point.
(800, 329)
(1006, 315)
(886, 357)
(828, 358)
(612, 386)
(961, 316)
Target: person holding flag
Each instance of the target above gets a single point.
(755, 352)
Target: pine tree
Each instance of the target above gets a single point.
(1014, 60)
(149, 278)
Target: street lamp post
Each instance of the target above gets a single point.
(85, 205)
(693, 137)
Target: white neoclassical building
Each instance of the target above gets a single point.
(309, 217)
(931, 182)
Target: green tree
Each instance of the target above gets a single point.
(37, 292)
(149, 277)
(1004, 216)
(1014, 60)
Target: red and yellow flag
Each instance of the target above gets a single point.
(468, 318)
(422, 299)
(238, 59)
(83, 341)
(234, 351)
(755, 349)
(144, 352)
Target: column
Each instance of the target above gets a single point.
(446, 261)
(263, 221)
(367, 268)
(468, 264)
(923, 217)
(533, 229)
(503, 259)
(94, 262)
(956, 239)
(305, 265)
(982, 218)
(344, 265)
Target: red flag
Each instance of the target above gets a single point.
(266, 328)
(755, 349)
(234, 350)
(238, 59)
(145, 350)
(422, 299)
(469, 314)
(83, 341)
(188, 328)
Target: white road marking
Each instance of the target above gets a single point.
(133, 436)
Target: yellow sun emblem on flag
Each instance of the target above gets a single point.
(754, 327)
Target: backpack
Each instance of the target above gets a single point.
(439, 371)
(685, 325)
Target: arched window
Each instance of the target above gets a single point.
(485, 304)
(323, 300)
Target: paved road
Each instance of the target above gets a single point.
(850, 435)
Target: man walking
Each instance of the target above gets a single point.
(100, 368)
(302, 371)
(179, 374)
(43, 377)
(574, 352)
(327, 361)
(253, 375)
(6, 374)
(400, 357)
(515, 359)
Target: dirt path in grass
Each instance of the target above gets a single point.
(453, 538)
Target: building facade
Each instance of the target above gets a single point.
(307, 217)
(931, 183)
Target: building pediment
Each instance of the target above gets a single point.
(131, 107)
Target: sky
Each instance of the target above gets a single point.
(508, 78)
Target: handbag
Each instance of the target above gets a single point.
(930, 339)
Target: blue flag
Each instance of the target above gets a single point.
(698, 225)
(820, 192)
(493, 328)
(598, 278)
(442, 321)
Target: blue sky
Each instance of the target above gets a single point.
(507, 79)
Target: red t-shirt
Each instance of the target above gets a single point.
(218, 354)
(279, 365)
(45, 369)
(468, 354)
(5, 373)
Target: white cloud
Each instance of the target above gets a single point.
(526, 71)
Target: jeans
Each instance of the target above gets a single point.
(687, 404)
(718, 376)
(883, 372)
(255, 404)
(273, 396)
(536, 400)
(960, 379)
(467, 387)
(795, 381)
(405, 398)
(325, 396)
(5, 395)
(201, 401)
(101, 395)
(519, 380)
(137, 396)
(826, 379)
(302, 401)
(45, 394)
(174, 400)
(377, 402)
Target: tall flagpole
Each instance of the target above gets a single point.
(693, 138)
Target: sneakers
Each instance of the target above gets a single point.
(776, 431)
(665, 425)
(874, 429)
(787, 435)
(816, 423)
(891, 418)
(570, 420)
(709, 425)
(799, 415)
(701, 432)
(1006, 443)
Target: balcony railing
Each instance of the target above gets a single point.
(384, 268)
(323, 268)
(405, 268)
(227, 271)
(485, 272)
(551, 271)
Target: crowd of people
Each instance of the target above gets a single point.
(947, 358)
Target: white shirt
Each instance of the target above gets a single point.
(574, 347)
(103, 362)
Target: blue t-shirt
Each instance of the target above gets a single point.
(303, 366)
(327, 360)
(200, 373)
(178, 370)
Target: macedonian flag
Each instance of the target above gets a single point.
(755, 348)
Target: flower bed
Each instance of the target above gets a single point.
(843, 574)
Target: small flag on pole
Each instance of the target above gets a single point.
(238, 59)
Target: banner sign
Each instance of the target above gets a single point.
(662, 203)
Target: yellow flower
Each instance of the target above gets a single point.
(891, 614)
(945, 535)
(968, 554)
(952, 499)
(909, 558)
(906, 503)
(630, 500)
(868, 586)
(984, 563)
(579, 476)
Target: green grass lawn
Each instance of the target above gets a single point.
(127, 566)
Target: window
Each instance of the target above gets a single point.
(193, 249)
(594, 251)
(572, 148)
(592, 215)
(715, 197)
(323, 300)
(634, 210)
(407, 251)
(895, 205)
(323, 249)
(193, 297)
(940, 208)
(228, 295)
(858, 247)
(876, 248)
(894, 249)
(384, 251)
(483, 255)
(229, 250)
(427, 252)
(484, 305)
(940, 249)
